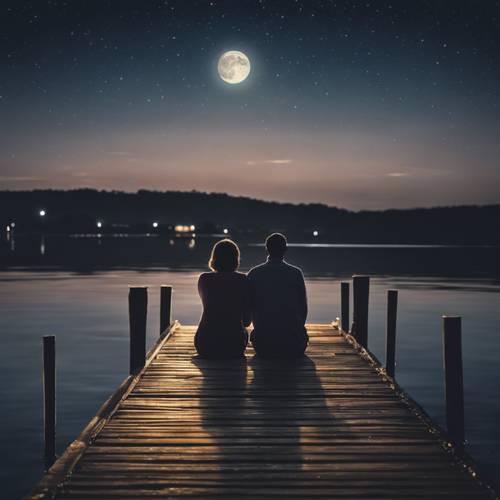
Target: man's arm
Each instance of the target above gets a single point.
(302, 297)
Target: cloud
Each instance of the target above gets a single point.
(420, 172)
(399, 174)
(277, 161)
(119, 153)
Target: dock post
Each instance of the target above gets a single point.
(344, 306)
(165, 307)
(454, 386)
(137, 307)
(390, 338)
(49, 399)
(361, 289)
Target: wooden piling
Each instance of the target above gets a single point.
(390, 338)
(165, 307)
(49, 399)
(137, 306)
(361, 288)
(454, 388)
(344, 306)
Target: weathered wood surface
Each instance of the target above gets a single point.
(326, 426)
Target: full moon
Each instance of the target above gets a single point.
(234, 66)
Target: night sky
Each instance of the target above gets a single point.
(369, 104)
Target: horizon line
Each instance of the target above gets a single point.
(250, 198)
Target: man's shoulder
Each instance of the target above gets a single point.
(267, 267)
(255, 271)
(293, 269)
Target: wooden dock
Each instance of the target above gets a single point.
(330, 425)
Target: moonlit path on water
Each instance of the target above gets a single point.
(88, 314)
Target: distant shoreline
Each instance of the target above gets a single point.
(88, 211)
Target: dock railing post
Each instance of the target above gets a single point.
(344, 306)
(165, 307)
(361, 290)
(390, 338)
(137, 307)
(49, 399)
(454, 386)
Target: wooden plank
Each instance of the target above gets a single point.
(329, 425)
(63, 467)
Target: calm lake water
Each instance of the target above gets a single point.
(71, 290)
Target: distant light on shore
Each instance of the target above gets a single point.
(99, 224)
(42, 213)
(315, 233)
(184, 229)
(155, 224)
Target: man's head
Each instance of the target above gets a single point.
(276, 245)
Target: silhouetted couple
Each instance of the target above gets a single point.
(272, 297)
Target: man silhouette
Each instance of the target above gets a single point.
(279, 304)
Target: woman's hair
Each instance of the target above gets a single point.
(225, 256)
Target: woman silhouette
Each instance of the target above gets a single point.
(225, 297)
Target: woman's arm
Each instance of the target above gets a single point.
(202, 288)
